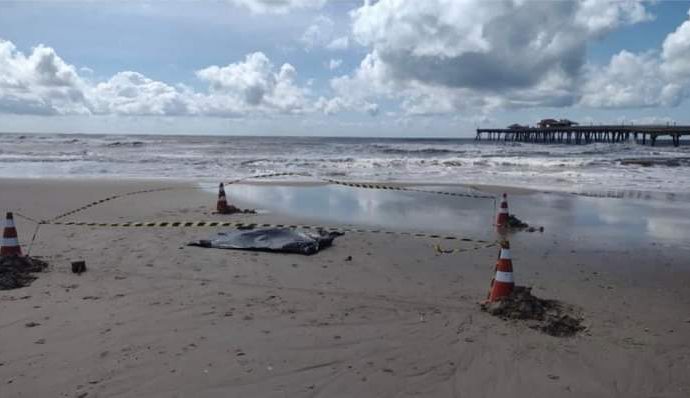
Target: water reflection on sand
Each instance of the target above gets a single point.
(641, 219)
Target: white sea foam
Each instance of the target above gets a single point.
(579, 168)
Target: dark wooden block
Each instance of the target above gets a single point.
(78, 267)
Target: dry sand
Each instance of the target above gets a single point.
(154, 318)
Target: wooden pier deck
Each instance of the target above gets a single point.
(586, 134)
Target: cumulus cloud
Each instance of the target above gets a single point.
(676, 52)
(42, 83)
(474, 44)
(131, 93)
(251, 79)
(370, 82)
(255, 82)
(334, 105)
(431, 57)
(603, 16)
(645, 79)
(447, 54)
(352, 93)
(630, 80)
(371, 78)
(431, 101)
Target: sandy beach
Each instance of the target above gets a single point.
(345, 198)
(153, 317)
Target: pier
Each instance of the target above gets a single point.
(585, 134)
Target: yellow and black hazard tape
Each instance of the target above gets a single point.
(109, 198)
(271, 175)
(113, 197)
(407, 189)
(245, 225)
(365, 185)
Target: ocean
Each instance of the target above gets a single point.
(627, 167)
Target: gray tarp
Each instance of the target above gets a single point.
(284, 240)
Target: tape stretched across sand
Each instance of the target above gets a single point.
(261, 176)
(113, 197)
(241, 225)
(406, 189)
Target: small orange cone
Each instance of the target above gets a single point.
(502, 217)
(10, 243)
(502, 284)
(222, 204)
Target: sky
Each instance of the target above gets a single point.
(432, 68)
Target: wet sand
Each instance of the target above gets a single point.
(153, 317)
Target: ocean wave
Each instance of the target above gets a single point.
(415, 151)
(125, 144)
(252, 161)
(649, 162)
(37, 160)
(621, 166)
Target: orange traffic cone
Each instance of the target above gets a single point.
(502, 284)
(222, 204)
(10, 243)
(502, 217)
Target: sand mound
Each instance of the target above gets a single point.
(549, 316)
(514, 222)
(231, 209)
(16, 272)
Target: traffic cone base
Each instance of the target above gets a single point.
(10, 243)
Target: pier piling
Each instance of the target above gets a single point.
(585, 134)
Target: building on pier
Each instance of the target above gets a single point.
(544, 123)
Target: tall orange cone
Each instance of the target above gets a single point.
(502, 284)
(502, 217)
(10, 243)
(222, 204)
